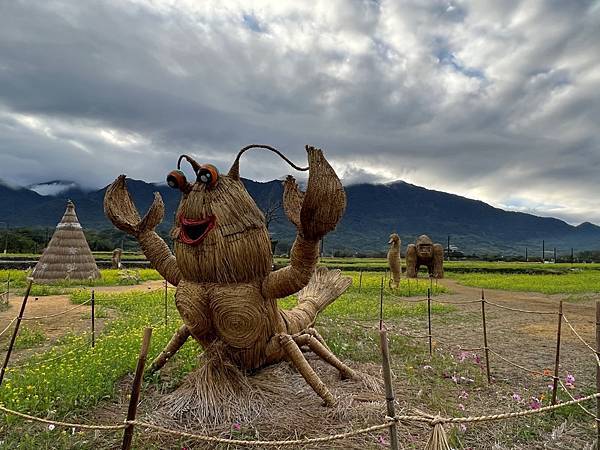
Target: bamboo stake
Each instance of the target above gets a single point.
(15, 331)
(135, 389)
(381, 304)
(557, 360)
(597, 373)
(360, 282)
(166, 294)
(485, 341)
(93, 319)
(389, 389)
(429, 322)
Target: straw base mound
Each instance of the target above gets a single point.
(217, 395)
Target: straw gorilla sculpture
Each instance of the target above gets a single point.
(226, 290)
(393, 257)
(425, 253)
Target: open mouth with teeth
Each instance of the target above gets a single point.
(194, 231)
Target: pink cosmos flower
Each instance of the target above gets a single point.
(516, 397)
(236, 426)
(570, 381)
(535, 403)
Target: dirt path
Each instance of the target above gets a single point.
(528, 339)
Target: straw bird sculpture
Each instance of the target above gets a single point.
(425, 253)
(393, 257)
(226, 290)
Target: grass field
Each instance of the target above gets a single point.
(583, 281)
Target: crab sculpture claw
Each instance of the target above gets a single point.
(317, 211)
(121, 211)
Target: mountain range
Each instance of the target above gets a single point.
(374, 211)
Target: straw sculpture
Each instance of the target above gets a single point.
(116, 258)
(425, 253)
(68, 255)
(226, 290)
(393, 257)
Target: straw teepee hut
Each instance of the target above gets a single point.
(68, 255)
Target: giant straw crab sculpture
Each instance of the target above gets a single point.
(226, 289)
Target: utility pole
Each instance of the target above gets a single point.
(5, 237)
(571, 255)
(526, 256)
(448, 247)
(554, 254)
(543, 251)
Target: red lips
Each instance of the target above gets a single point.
(194, 231)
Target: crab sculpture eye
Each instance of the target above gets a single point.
(208, 175)
(176, 180)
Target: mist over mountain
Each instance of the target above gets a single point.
(374, 211)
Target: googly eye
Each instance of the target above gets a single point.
(208, 175)
(176, 180)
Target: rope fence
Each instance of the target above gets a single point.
(49, 316)
(520, 310)
(431, 420)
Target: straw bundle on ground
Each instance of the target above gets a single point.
(226, 290)
(68, 255)
(393, 258)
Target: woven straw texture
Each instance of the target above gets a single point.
(393, 258)
(425, 253)
(68, 255)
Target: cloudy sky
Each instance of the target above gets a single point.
(498, 101)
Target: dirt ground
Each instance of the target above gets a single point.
(527, 339)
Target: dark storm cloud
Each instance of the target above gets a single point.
(497, 101)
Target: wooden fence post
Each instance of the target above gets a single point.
(93, 319)
(135, 389)
(15, 331)
(557, 360)
(360, 282)
(597, 372)
(389, 388)
(429, 322)
(485, 341)
(166, 294)
(381, 304)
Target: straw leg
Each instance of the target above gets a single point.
(293, 352)
(313, 332)
(176, 342)
(326, 355)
